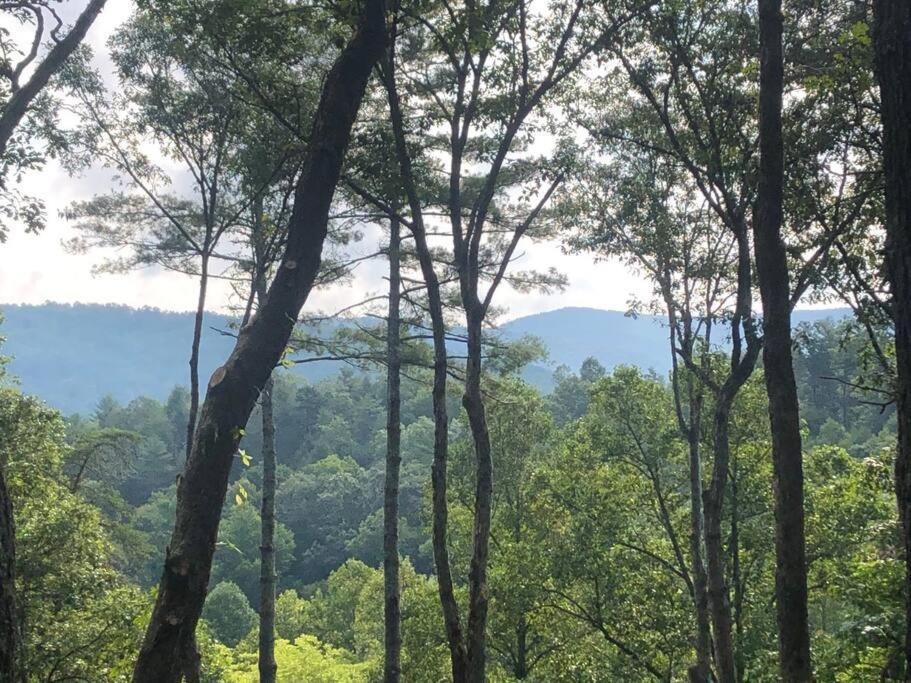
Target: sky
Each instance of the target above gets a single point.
(36, 268)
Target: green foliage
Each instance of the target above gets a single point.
(228, 613)
(237, 556)
(79, 616)
(307, 659)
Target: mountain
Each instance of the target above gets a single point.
(72, 355)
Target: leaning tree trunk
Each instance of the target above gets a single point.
(892, 48)
(439, 484)
(15, 108)
(235, 386)
(9, 625)
(267, 665)
(784, 411)
(392, 614)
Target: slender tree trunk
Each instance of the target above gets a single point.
(702, 671)
(736, 577)
(13, 112)
(190, 654)
(478, 593)
(440, 506)
(194, 350)
(235, 386)
(690, 426)
(520, 670)
(784, 412)
(267, 665)
(892, 48)
(719, 600)
(9, 625)
(439, 475)
(392, 666)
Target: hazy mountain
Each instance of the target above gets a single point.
(72, 355)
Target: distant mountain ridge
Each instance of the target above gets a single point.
(72, 355)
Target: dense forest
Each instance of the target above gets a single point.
(436, 508)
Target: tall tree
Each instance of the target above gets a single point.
(234, 387)
(480, 54)
(173, 97)
(784, 409)
(892, 50)
(392, 666)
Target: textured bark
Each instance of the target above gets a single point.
(520, 667)
(18, 104)
(701, 672)
(267, 665)
(892, 48)
(784, 412)
(9, 625)
(736, 576)
(440, 509)
(392, 614)
(194, 351)
(478, 593)
(719, 600)
(235, 386)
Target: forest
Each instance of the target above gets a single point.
(434, 508)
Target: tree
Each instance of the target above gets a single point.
(228, 613)
(521, 430)
(392, 667)
(778, 367)
(19, 95)
(892, 50)
(16, 98)
(167, 650)
(478, 53)
(170, 94)
(76, 614)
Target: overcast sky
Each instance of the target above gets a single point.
(35, 269)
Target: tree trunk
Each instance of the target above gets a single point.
(267, 665)
(392, 666)
(9, 625)
(194, 351)
(690, 426)
(892, 48)
(478, 593)
(520, 670)
(736, 575)
(784, 412)
(440, 508)
(235, 386)
(719, 601)
(19, 102)
(702, 671)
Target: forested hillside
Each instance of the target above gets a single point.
(73, 355)
(602, 446)
(713, 486)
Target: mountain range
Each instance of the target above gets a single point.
(71, 355)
